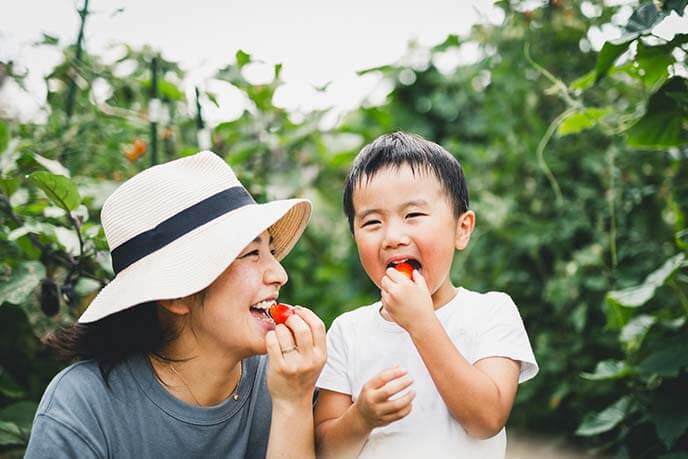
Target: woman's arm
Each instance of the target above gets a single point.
(296, 355)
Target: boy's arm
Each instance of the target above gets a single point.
(479, 396)
(342, 426)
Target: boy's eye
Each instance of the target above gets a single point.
(414, 214)
(370, 223)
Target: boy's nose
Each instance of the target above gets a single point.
(395, 236)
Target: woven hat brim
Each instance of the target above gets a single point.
(192, 262)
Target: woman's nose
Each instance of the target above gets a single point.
(275, 273)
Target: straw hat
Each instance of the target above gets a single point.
(174, 228)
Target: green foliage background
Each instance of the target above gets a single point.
(577, 167)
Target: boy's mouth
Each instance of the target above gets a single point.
(414, 263)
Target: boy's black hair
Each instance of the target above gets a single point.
(393, 150)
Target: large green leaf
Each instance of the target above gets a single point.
(605, 420)
(22, 281)
(11, 434)
(654, 61)
(58, 188)
(633, 333)
(20, 413)
(671, 420)
(608, 369)
(581, 120)
(4, 136)
(609, 53)
(637, 296)
(662, 124)
(665, 362)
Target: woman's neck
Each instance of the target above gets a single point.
(196, 377)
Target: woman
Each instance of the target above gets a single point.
(172, 350)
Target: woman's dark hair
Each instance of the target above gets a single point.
(393, 150)
(135, 330)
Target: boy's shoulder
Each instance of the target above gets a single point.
(486, 306)
(354, 317)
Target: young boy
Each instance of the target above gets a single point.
(431, 370)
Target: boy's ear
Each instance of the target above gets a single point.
(175, 306)
(464, 228)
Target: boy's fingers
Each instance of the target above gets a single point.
(394, 387)
(393, 406)
(385, 376)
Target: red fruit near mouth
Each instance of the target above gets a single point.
(280, 312)
(405, 268)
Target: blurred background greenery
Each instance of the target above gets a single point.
(577, 163)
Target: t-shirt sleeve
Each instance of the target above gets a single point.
(335, 374)
(51, 438)
(504, 335)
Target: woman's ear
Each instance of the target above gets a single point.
(464, 228)
(176, 306)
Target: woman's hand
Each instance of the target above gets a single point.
(296, 352)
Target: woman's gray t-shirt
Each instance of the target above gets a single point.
(80, 416)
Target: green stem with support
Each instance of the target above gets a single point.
(154, 120)
(71, 93)
(541, 153)
(612, 209)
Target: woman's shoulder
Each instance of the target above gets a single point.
(78, 381)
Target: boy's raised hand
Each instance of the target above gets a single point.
(374, 407)
(406, 301)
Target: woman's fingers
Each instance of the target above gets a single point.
(317, 327)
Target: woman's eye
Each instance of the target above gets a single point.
(252, 253)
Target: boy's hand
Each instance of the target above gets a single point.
(374, 407)
(406, 301)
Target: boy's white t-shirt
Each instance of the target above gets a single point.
(361, 343)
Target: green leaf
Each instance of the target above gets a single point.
(20, 413)
(59, 189)
(584, 82)
(605, 420)
(644, 18)
(671, 421)
(675, 5)
(11, 434)
(634, 332)
(4, 136)
(665, 362)
(47, 39)
(581, 120)
(51, 165)
(662, 124)
(608, 55)
(450, 42)
(8, 387)
(607, 369)
(654, 61)
(166, 89)
(242, 58)
(23, 280)
(634, 297)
